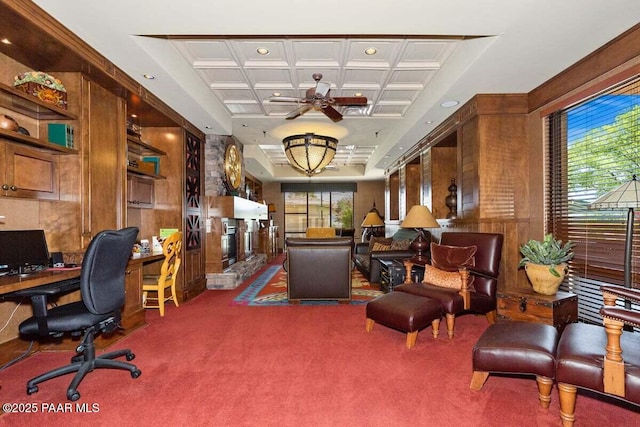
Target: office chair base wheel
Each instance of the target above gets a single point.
(130, 357)
(31, 390)
(73, 396)
(136, 373)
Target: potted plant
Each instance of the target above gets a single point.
(545, 263)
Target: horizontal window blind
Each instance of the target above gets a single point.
(594, 147)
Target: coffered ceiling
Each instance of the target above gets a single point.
(205, 58)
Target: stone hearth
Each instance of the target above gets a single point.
(237, 273)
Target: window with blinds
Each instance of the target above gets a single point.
(594, 147)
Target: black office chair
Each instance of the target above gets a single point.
(102, 288)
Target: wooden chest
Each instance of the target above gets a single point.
(529, 306)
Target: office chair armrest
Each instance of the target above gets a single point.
(38, 296)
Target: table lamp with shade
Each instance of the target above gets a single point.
(419, 218)
(625, 196)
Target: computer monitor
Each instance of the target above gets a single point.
(22, 251)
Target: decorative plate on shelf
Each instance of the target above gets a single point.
(233, 167)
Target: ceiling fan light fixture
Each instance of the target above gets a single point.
(310, 153)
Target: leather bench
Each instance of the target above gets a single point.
(404, 312)
(517, 348)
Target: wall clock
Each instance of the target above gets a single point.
(233, 167)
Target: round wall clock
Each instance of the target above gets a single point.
(233, 167)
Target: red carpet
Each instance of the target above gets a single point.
(210, 363)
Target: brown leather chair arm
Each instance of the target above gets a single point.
(621, 315)
(628, 294)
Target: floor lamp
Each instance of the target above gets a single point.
(626, 196)
(371, 221)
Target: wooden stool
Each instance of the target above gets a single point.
(404, 312)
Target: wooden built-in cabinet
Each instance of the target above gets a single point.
(484, 147)
(141, 181)
(29, 162)
(73, 193)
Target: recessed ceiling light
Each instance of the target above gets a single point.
(244, 125)
(262, 51)
(357, 94)
(429, 122)
(449, 104)
(276, 94)
(5, 41)
(208, 127)
(149, 76)
(370, 51)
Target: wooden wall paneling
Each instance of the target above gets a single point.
(167, 210)
(413, 184)
(104, 157)
(444, 169)
(468, 187)
(393, 195)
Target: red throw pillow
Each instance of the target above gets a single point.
(450, 258)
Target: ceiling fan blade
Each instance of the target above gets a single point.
(322, 89)
(332, 113)
(350, 100)
(284, 99)
(298, 112)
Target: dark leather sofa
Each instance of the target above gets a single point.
(368, 262)
(319, 269)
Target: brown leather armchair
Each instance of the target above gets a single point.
(591, 357)
(483, 298)
(319, 269)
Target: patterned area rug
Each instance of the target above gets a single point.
(270, 288)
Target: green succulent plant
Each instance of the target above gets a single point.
(549, 252)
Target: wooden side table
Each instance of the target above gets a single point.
(529, 306)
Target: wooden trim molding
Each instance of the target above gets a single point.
(617, 52)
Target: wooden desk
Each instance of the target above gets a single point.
(132, 312)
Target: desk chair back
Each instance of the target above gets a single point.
(171, 247)
(102, 279)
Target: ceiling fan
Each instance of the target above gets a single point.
(319, 98)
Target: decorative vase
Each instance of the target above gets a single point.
(542, 280)
(8, 122)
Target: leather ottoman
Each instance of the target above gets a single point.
(404, 312)
(517, 348)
